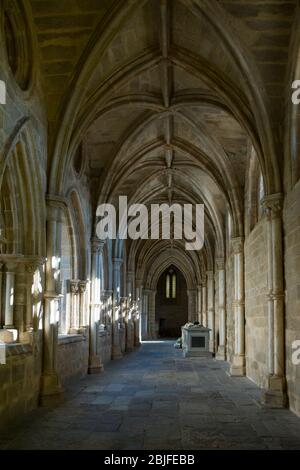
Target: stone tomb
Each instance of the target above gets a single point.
(195, 340)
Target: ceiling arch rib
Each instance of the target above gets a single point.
(167, 108)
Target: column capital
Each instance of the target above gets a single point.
(55, 206)
(147, 291)
(117, 262)
(97, 245)
(11, 262)
(106, 294)
(32, 263)
(74, 284)
(82, 286)
(237, 245)
(273, 203)
(220, 263)
(210, 275)
(191, 292)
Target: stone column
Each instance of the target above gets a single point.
(9, 293)
(2, 319)
(82, 303)
(116, 346)
(95, 363)
(238, 366)
(221, 355)
(20, 300)
(74, 313)
(192, 305)
(137, 324)
(130, 284)
(199, 304)
(129, 326)
(145, 314)
(275, 393)
(106, 299)
(138, 312)
(204, 303)
(50, 385)
(31, 267)
(151, 313)
(210, 309)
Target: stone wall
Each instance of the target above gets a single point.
(105, 345)
(19, 381)
(72, 357)
(256, 306)
(229, 309)
(292, 286)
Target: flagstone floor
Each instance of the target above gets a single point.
(155, 399)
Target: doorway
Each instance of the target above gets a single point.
(171, 303)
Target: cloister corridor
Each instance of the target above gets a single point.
(149, 185)
(155, 398)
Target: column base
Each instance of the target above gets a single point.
(275, 395)
(51, 391)
(221, 356)
(238, 366)
(116, 353)
(95, 365)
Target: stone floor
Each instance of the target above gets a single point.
(156, 399)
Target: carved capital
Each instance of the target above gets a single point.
(73, 286)
(273, 205)
(220, 263)
(117, 262)
(237, 245)
(82, 286)
(97, 245)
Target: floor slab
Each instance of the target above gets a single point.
(155, 399)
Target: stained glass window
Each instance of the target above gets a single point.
(168, 279)
(171, 285)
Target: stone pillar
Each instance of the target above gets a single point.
(130, 284)
(20, 300)
(9, 293)
(123, 323)
(74, 313)
(204, 303)
(151, 313)
(238, 366)
(138, 312)
(31, 268)
(199, 304)
(116, 346)
(95, 363)
(221, 354)
(145, 314)
(36, 297)
(106, 299)
(129, 326)
(137, 324)
(50, 385)
(275, 393)
(82, 303)
(210, 309)
(192, 305)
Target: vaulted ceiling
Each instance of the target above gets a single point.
(167, 97)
